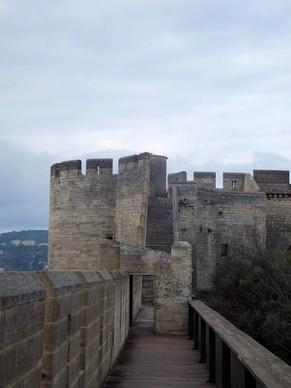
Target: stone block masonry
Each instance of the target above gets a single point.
(62, 329)
(82, 213)
(22, 310)
(133, 189)
(171, 275)
(92, 213)
(218, 222)
(88, 210)
(173, 290)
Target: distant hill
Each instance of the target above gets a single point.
(23, 251)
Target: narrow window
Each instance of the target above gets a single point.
(57, 172)
(224, 249)
(98, 170)
(234, 185)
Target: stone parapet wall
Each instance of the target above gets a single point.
(22, 307)
(63, 329)
(91, 322)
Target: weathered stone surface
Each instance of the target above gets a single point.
(88, 211)
(213, 219)
(172, 291)
(17, 288)
(148, 295)
(22, 307)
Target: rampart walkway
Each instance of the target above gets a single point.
(154, 361)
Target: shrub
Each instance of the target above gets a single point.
(255, 294)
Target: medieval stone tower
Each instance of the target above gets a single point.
(93, 214)
(88, 211)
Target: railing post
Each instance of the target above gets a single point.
(212, 356)
(196, 330)
(202, 341)
(250, 381)
(226, 373)
(190, 322)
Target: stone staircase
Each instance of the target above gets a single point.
(160, 234)
(148, 295)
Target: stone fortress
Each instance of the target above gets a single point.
(119, 240)
(93, 215)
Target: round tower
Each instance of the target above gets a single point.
(82, 212)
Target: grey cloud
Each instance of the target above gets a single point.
(24, 191)
(199, 80)
(77, 50)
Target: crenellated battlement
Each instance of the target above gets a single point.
(177, 177)
(66, 168)
(134, 162)
(272, 176)
(232, 181)
(205, 179)
(73, 168)
(99, 167)
(273, 181)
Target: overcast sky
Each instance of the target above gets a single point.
(207, 83)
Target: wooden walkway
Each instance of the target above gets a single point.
(154, 361)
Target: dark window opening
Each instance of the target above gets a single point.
(57, 172)
(234, 185)
(224, 250)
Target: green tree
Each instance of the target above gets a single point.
(255, 294)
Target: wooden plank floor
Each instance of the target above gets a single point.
(154, 361)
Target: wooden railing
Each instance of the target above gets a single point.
(234, 359)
